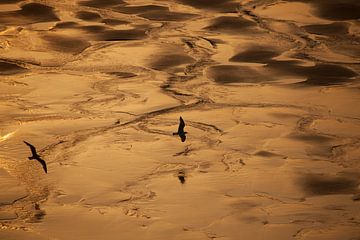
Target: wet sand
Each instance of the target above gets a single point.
(268, 91)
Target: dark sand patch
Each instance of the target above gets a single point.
(335, 9)
(217, 5)
(114, 22)
(235, 74)
(232, 25)
(336, 28)
(312, 138)
(9, 1)
(96, 29)
(7, 68)
(29, 13)
(328, 74)
(88, 16)
(318, 75)
(38, 12)
(123, 74)
(155, 12)
(171, 60)
(283, 115)
(356, 197)
(105, 33)
(101, 3)
(122, 35)
(140, 9)
(66, 44)
(167, 16)
(255, 55)
(338, 10)
(288, 67)
(318, 184)
(266, 154)
(65, 25)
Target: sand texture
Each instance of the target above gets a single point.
(269, 91)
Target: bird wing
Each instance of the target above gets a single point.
(181, 125)
(43, 163)
(32, 148)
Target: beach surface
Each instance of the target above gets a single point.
(268, 89)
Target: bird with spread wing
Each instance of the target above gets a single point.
(36, 156)
(181, 131)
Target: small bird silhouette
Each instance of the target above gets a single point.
(180, 131)
(36, 156)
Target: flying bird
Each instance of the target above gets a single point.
(180, 131)
(36, 156)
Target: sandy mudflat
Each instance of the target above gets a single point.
(269, 91)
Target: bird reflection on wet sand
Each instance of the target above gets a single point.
(181, 177)
(36, 156)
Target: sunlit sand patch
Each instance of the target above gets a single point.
(7, 7)
(7, 136)
(18, 234)
(338, 127)
(11, 189)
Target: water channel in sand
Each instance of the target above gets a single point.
(268, 90)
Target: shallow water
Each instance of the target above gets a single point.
(268, 90)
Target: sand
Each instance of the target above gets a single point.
(268, 89)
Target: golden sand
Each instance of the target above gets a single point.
(268, 89)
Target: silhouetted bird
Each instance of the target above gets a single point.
(180, 131)
(36, 156)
